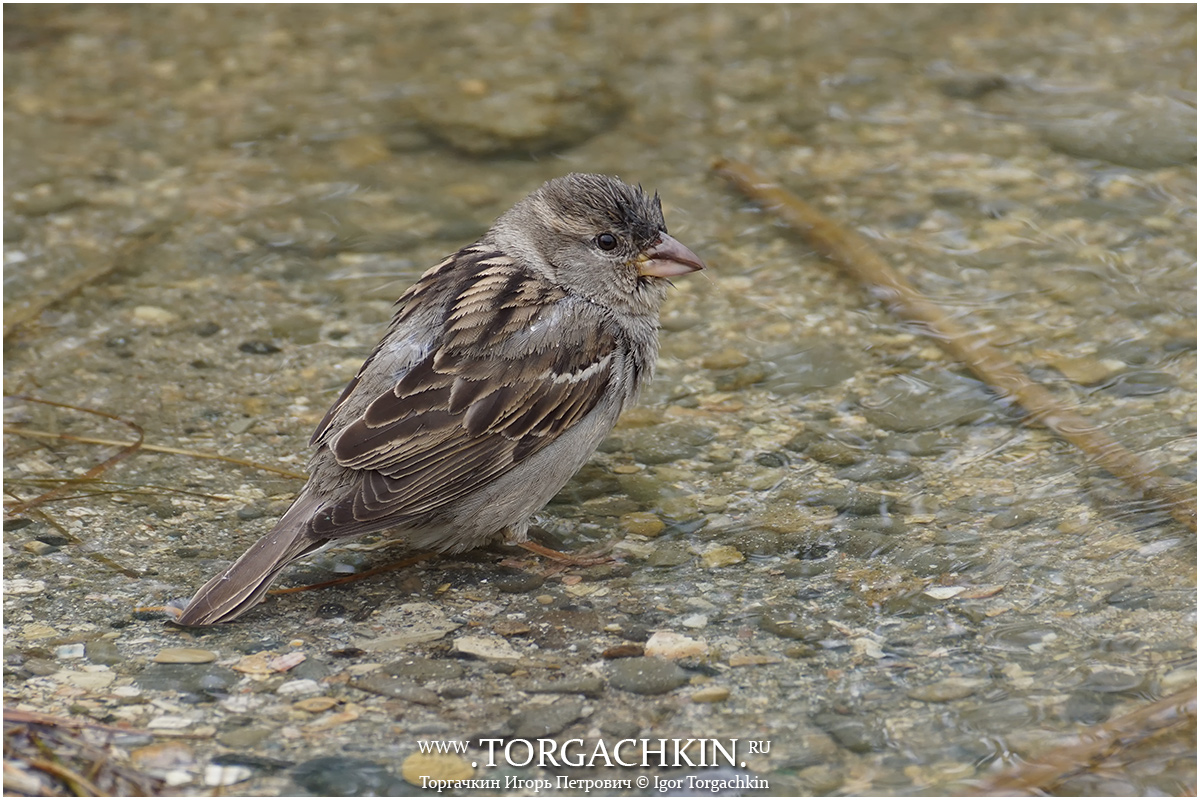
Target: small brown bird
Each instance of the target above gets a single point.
(503, 369)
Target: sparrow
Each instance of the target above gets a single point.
(502, 370)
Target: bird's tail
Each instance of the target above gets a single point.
(239, 588)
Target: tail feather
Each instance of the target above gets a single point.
(236, 590)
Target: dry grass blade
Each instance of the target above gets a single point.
(79, 785)
(97, 488)
(55, 755)
(125, 451)
(130, 251)
(853, 254)
(153, 448)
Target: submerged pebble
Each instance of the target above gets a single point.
(644, 675)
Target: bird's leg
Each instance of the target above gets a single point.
(519, 535)
(581, 560)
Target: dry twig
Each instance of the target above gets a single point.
(125, 451)
(72, 754)
(132, 250)
(853, 254)
(153, 448)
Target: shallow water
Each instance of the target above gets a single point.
(902, 588)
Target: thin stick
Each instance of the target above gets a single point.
(131, 250)
(152, 448)
(853, 254)
(78, 784)
(125, 451)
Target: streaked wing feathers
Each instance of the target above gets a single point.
(490, 394)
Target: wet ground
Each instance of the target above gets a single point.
(831, 538)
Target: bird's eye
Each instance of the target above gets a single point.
(606, 241)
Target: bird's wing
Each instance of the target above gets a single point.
(516, 365)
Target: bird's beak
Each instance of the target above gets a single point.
(667, 259)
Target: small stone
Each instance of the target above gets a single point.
(1088, 371)
(1111, 679)
(944, 691)
(821, 779)
(186, 678)
(729, 358)
(695, 621)
(85, 680)
(927, 401)
(185, 655)
(876, 468)
(643, 524)
(858, 735)
(723, 556)
(711, 694)
(38, 548)
(831, 451)
(586, 685)
(771, 460)
(670, 555)
(1134, 130)
(1178, 679)
(153, 315)
(752, 660)
(361, 151)
(69, 651)
(541, 721)
(519, 582)
(1140, 383)
(672, 441)
(302, 686)
(510, 627)
(245, 736)
(489, 648)
(226, 775)
(435, 766)
(818, 365)
(517, 112)
(646, 675)
(102, 651)
(1012, 518)
(254, 665)
(624, 651)
(740, 378)
(160, 758)
(399, 688)
(1087, 707)
(339, 776)
(169, 722)
(40, 667)
(315, 705)
(944, 592)
(286, 661)
(850, 499)
(23, 586)
(970, 86)
(794, 622)
(417, 623)
(666, 644)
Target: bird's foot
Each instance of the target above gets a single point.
(581, 560)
